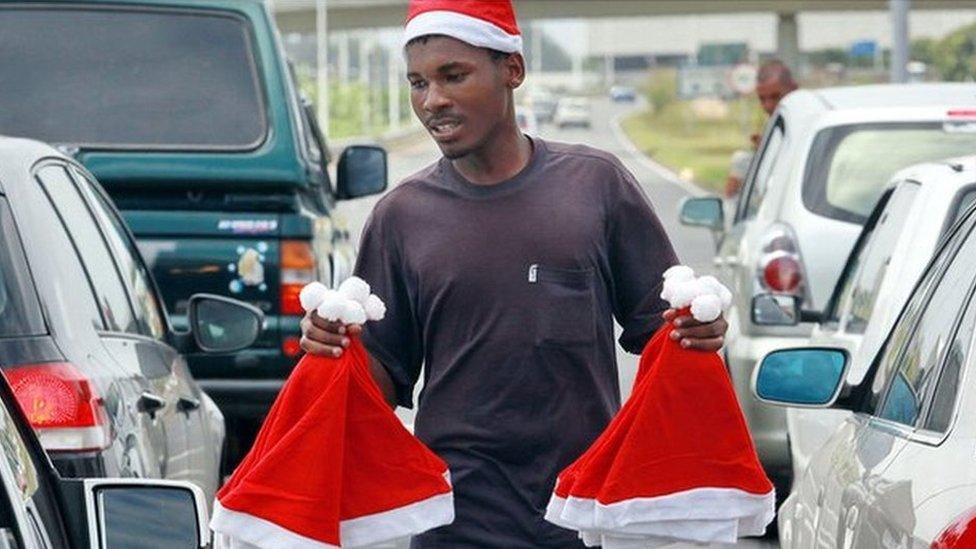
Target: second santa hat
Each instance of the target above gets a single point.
(482, 23)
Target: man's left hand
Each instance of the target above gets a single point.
(696, 335)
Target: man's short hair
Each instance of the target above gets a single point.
(776, 70)
(496, 55)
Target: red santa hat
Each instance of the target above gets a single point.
(671, 466)
(332, 465)
(482, 23)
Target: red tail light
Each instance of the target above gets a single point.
(961, 534)
(291, 346)
(780, 268)
(297, 270)
(61, 405)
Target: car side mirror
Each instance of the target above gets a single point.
(119, 513)
(803, 377)
(776, 310)
(362, 171)
(223, 325)
(703, 211)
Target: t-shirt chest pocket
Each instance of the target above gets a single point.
(566, 305)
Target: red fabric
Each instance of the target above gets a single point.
(500, 13)
(681, 429)
(331, 450)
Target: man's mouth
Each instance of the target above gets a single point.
(444, 129)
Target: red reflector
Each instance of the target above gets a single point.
(782, 274)
(961, 534)
(291, 346)
(290, 303)
(962, 113)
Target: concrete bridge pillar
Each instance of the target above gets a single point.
(788, 40)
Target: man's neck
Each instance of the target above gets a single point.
(501, 159)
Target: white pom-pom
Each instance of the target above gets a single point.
(356, 289)
(679, 272)
(353, 313)
(684, 292)
(375, 308)
(332, 305)
(706, 308)
(311, 295)
(718, 289)
(667, 290)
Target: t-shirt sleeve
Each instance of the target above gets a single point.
(395, 341)
(639, 253)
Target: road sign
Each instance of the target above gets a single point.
(742, 78)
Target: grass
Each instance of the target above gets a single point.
(700, 149)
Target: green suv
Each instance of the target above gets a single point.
(189, 115)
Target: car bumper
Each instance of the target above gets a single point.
(767, 423)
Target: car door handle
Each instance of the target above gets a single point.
(150, 403)
(187, 404)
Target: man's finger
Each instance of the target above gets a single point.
(325, 337)
(669, 315)
(323, 324)
(316, 348)
(701, 331)
(709, 344)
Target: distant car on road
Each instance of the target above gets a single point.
(526, 120)
(899, 471)
(895, 246)
(573, 111)
(544, 104)
(623, 94)
(39, 509)
(825, 158)
(84, 341)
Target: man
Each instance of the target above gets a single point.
(502, 266)
(773, 82)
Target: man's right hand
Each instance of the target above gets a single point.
(321, 337)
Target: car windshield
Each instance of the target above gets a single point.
(20, 313)
(104, 77)
(849, 166)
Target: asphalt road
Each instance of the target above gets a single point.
(693, 246)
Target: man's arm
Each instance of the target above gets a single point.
(321, 337)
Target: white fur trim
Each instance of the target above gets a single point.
(353, 313)
(351, 303)
(679, 272)
(706, 308)
(465, 28)
(375, 308)
(332, 306)
(681, 289)
(311, 295)
(367, 530)
(356, 289)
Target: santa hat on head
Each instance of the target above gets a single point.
(332, 465)
(482, 23)
(677, 462)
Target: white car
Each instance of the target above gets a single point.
(573, 111)
(899, 470)
(526, 119)
(825, 158)
(893, 250)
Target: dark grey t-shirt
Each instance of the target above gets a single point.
(506, 294)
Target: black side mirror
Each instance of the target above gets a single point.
(362, 171)
(223, 325)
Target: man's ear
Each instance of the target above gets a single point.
(514, 67)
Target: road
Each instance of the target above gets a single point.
(693, 246)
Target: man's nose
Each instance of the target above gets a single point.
(435, 100)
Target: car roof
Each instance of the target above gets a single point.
(960, 169)
(18, 154)
(892, 95)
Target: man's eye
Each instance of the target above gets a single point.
(418, 84)
(455, 77)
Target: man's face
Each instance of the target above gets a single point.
(459, 92)
(770, 92)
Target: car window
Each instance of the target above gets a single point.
(927, 344)
(849, 166)
(760, 177)
(887, 361)
(963, 204)
(91, 249)
(134, 272)
(20, 311)
(944, 400)
(872, 264)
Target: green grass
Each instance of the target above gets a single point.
(675, 137)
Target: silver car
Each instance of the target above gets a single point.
(825, 158)
(899, 470)
(892, 252)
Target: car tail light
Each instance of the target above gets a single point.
(291, 346)
(297, 270)
(960, 534)
(61, 405)
(780, 265)
(962, 113)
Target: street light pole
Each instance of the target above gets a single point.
(899, 39)
(322, 62)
